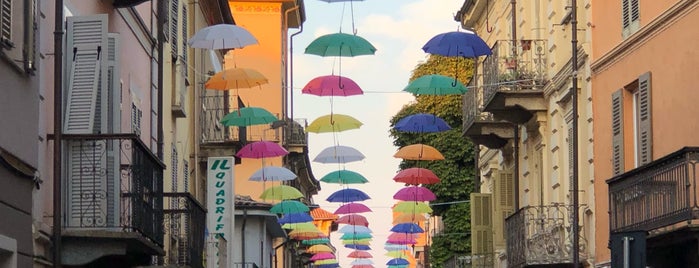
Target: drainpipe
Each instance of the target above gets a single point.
(242, 235)
(57, 131)
(516, 127)
(574, 93)
(161, 62)
(291, 65)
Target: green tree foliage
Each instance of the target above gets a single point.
(456, 172)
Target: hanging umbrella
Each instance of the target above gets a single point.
(332, 85)
(322, 256)
(397, 266)
(236, 78)
(324, 262)
(301, 226)
(261, 149)
(435, 84)
(289, 206)
(415, 176)
(389, 246)
(422, 123)
(316, 241)
(397, 254)
(295, 218)
(366, 241)
(402, 241)
(358, 254)
(362, 266)
(412, 207)
(330, 265)
(354, 229)
(298, 234)
(398, 261)
(347, 195)
(398, 236)
(344, 177)
(338, 154)
(340, 44)
(409, 228)
(281, 192)
(358, 247)
(353, 219)
(409, 217)
(319, 248)
(418, 152)
(457, 44)
(248, 116)
(272, 174)
(333, 123)
(361, 262)
(355, 236)
(222, 36)
(414, 193)
(352, 208)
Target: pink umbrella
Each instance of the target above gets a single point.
(414, 193)
(403, 236)
(332, 85)
(261, 149)
(360, 254)
(363, 266)
(352, 208)
(322, 256)
(415, 176)
(353, 219)
(402, 241)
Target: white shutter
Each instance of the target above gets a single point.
(87, 188)
(113, 107)
(617, 133)
(645, 137)
(174, 19)
(6, 21)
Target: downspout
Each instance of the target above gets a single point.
(57, 131)
(516, 127)
(285, 25)
(574, 98)
(291, 66)
(161, 62)
(242, 235)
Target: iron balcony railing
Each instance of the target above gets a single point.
(658, 194)
(184, 222)
(215, 107)
(473, 105)
(245, 265)
(113, 183)
(515, 67)
(541, 235)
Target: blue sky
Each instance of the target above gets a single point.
(398, 29)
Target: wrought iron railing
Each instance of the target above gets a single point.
(113, 182)
(184, 223)
(512, 68)
(469, 261)
(215, 107)
(295, 134)
(661, 193)
(541, 235)
(473, 105)
(245, 265)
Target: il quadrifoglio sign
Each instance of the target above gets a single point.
(220, 198)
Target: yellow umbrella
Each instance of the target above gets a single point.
(235, 78)
(333, 123)
(302, 226)
(418, 152)
(319, 248)
(357, 242)
(281, 192)
(412, 207)
(409, 217)
(305, 235)
(398, 254)
(328, 261)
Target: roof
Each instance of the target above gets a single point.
(245, 201)
(321, 214)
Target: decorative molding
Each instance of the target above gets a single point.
(256, 8)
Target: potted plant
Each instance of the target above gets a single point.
(510, 62)
(526, 44)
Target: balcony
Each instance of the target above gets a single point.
(113, 200)
(295, 136)
(541, 235)
(514, 78)
(481, 127)
(185, 219)
(470, 12)
(245, 265)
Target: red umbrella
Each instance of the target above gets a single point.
(353, 219)
(352, 208)
(332, 85)
(402, 241)
(360, 254)
(363, 266)
(414, 193)
(261, 149)
(415, 176)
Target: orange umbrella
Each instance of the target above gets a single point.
(319, 248)
(409, 217)
(235, 78)
(418, 152)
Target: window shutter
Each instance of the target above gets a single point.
(87, 189)
(184, 37)
(645, 137)
(504, 204)
(571, 157)
(6, 21)
(185, 175)
(634, 13)
(174, 18)
(481, 223)
(113, 84)
(625, 14)
(617, 133)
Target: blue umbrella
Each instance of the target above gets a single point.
(408, 228)
(295, 218)
(398, 261)
(461, 44)
(358, 247)
(422, 123)
(347, 195)
(354, 229)
(330, 265)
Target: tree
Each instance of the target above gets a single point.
(456, 172)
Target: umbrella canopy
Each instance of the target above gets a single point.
(319, 248)
(457, 44)
(272, 174)
(357, 242)
(352, 208)
(301, 226)
(355, 236)
(330, 265)
(358, 254)
(248, 116)
(281, 192)
(332, 85)
(409, 217)
(235, 78)
(353, 219)
(404, 236)
(316, 241)
(422, 123)
(222, 36)
(414, 193)
(261, 149)
(363, 266)
(347, 195)
(325, 261)
(397, 254)
(340, 44)
(415, 176)
(418, 152)
(299, 234)
(344, 177)
(412, 207)
(358, 247)
(295, 218)
(409, 228)
(354, 229)
(361, 262)
(289, 206)
(402, 241)
(389, 246)
(338, 154)
(434, 84)
(333, 123)
(322, 256)
(398, 261)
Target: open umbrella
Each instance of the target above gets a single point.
(338, 154)
(362, 266)
(358, 247)
(340, 44)
(412, 207)
(235, 78)
(344, 177)
(300, 235)
(333, 123)
(352, 208)
(409, 228)
(397, 236)
(295, 218)
(434, 84)
(361, 262)
(415, 176)
(355, 236)
(261, 149)
(397, 254)
(366, 241)
(316, 241)
(271, 173)
(248, 116)
(358, 254)
(353, 219)
(332, 85)
(409, 217)
(281, 192)
(319, 248)
(322, 256)
(402, 241)
(347, 195)
(301, 226)
(289, 206)
(398, 261)
(457, 44)
(354, 229)
(222, 36)
(418, 152)
(328, 265)
(414, 193)
(422, 123)
(390, 247)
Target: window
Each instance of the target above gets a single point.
(639, 92)
(8, 252)
(629, 17)
(14, 17)
(136, 115)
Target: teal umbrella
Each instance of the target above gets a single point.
(316, 241)
(340, 44)
(289, 206)
(355, 236)
(248, 116)
(344, 177)
(435, 84)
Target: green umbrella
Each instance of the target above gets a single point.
(435, 84)
(355, 236)
(316, 241)
(344, 177)
(289, 206)
(281, 192)
(248, 116)
(340, 44)
(301, 226)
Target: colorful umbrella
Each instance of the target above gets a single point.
(397, 266)
(435, 84)
(352, 208)
(338, 154)
(281, 192)
(289, 206)
(397, 254)
(389, 246)
(322, 256)
(354, 229)
(222, 36)
(363, 266)
(333, 123)
(332, 85)
(301, 226)
(366, 241)
(408, 228)
(319, 248)
(272, 174)
(325, 262)
(298, 234)
(347, 195)
(340, 44)
(414, 193)
(415, 176)
(261, 149)
(409, 217)
(358, 254)
(355, 236)
(418, 152)
(402, 241)
(399, 236)
(235, 78)
(398, 261)
(412, 207)
(344, 177)
(353, 219)
(248, 116)
(422, 123)
(295, 218)
(361, 262)
(330, 265)
(358, 247)
(316, 241)
(457, 44)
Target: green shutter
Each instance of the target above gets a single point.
(617, 132)
(504, 204)
(481, 223)
(645, 137)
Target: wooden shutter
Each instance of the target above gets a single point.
(645, 137)
(481, 223)
(174, 19)
(617, 132)
(504, 204)
(625, 14)
(6, 21)
(571, 156)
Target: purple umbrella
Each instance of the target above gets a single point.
(352, 208)
(402, 241)
(332, 85)
(408, 228)
(261, 149)
(347, 195)
(422, 123)
(414, 193)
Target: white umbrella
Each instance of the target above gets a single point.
(354, 229)
(390, 247)
(362, 262)
(273, 174)
(338, 154)
(222, 36)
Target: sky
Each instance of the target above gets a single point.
(398, 29)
